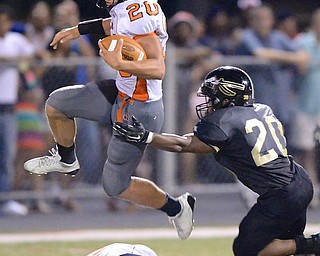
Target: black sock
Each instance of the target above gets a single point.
(172, 206)
(67, 154)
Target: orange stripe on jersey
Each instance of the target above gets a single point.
(144, 35)
(141, 92)
(124, 98)
(120, 110)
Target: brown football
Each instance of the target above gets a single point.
(131, 49)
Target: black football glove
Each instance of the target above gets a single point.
(133, 133)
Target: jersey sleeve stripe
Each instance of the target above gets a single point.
(144, 35)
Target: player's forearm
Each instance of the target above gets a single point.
(170, 142)
(147, 69)
(106, 23)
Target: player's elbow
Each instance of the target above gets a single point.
(160, 75)
(156, 75)
(161, 72)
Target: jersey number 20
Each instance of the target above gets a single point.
(271, 153)
(135, 13)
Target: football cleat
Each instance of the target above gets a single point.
(52, 163)
(183, 221)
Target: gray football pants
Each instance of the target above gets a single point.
(100, 102)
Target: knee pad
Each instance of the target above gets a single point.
(54, 100)
(236, 248)
(115, 180)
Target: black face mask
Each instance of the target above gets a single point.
(102, 4)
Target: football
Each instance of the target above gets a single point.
(131, 49)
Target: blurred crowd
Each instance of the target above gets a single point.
(280, 54)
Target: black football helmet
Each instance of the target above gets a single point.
(102, 4)
(223, 87)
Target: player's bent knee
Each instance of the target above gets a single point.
(52, 112)
(113, 189)
(242, 248)
(115, 180)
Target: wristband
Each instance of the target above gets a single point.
(150, 137)
(91, 27)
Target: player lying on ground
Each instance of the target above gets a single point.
(121, 249)
(248, 140)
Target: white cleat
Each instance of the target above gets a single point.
(46, 164)
(183, 221)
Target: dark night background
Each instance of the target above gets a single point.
(197, 7)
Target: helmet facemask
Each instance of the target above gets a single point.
(205, 108)
(207, 90)
(102, 4)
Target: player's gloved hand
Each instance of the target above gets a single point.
(133, 133)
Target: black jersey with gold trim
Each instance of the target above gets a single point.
(250, 143)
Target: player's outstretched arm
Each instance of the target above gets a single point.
(96, 26)
(137, 133)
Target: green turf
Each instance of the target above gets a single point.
(163, 247)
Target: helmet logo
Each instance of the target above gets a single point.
(226, 87)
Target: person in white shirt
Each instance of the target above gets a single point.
(13, 47)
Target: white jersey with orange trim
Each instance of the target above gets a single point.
(118, 249)
(135, 18)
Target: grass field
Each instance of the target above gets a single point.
(163, 247)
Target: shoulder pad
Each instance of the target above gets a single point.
(210, 133)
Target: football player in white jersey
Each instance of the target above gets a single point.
(122, 249)
(137, 91)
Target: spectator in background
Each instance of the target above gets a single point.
(274, 82)
(89, 143)
(31, 135)
(307, 107)
(247, 4)
(218, 32)
(244, 7)
(53, 78)
(13, 47)
(38, 28)
(286, 23)
(67, 14)
(184, 32)
(274, 79)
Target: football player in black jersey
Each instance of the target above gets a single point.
(248, 140)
